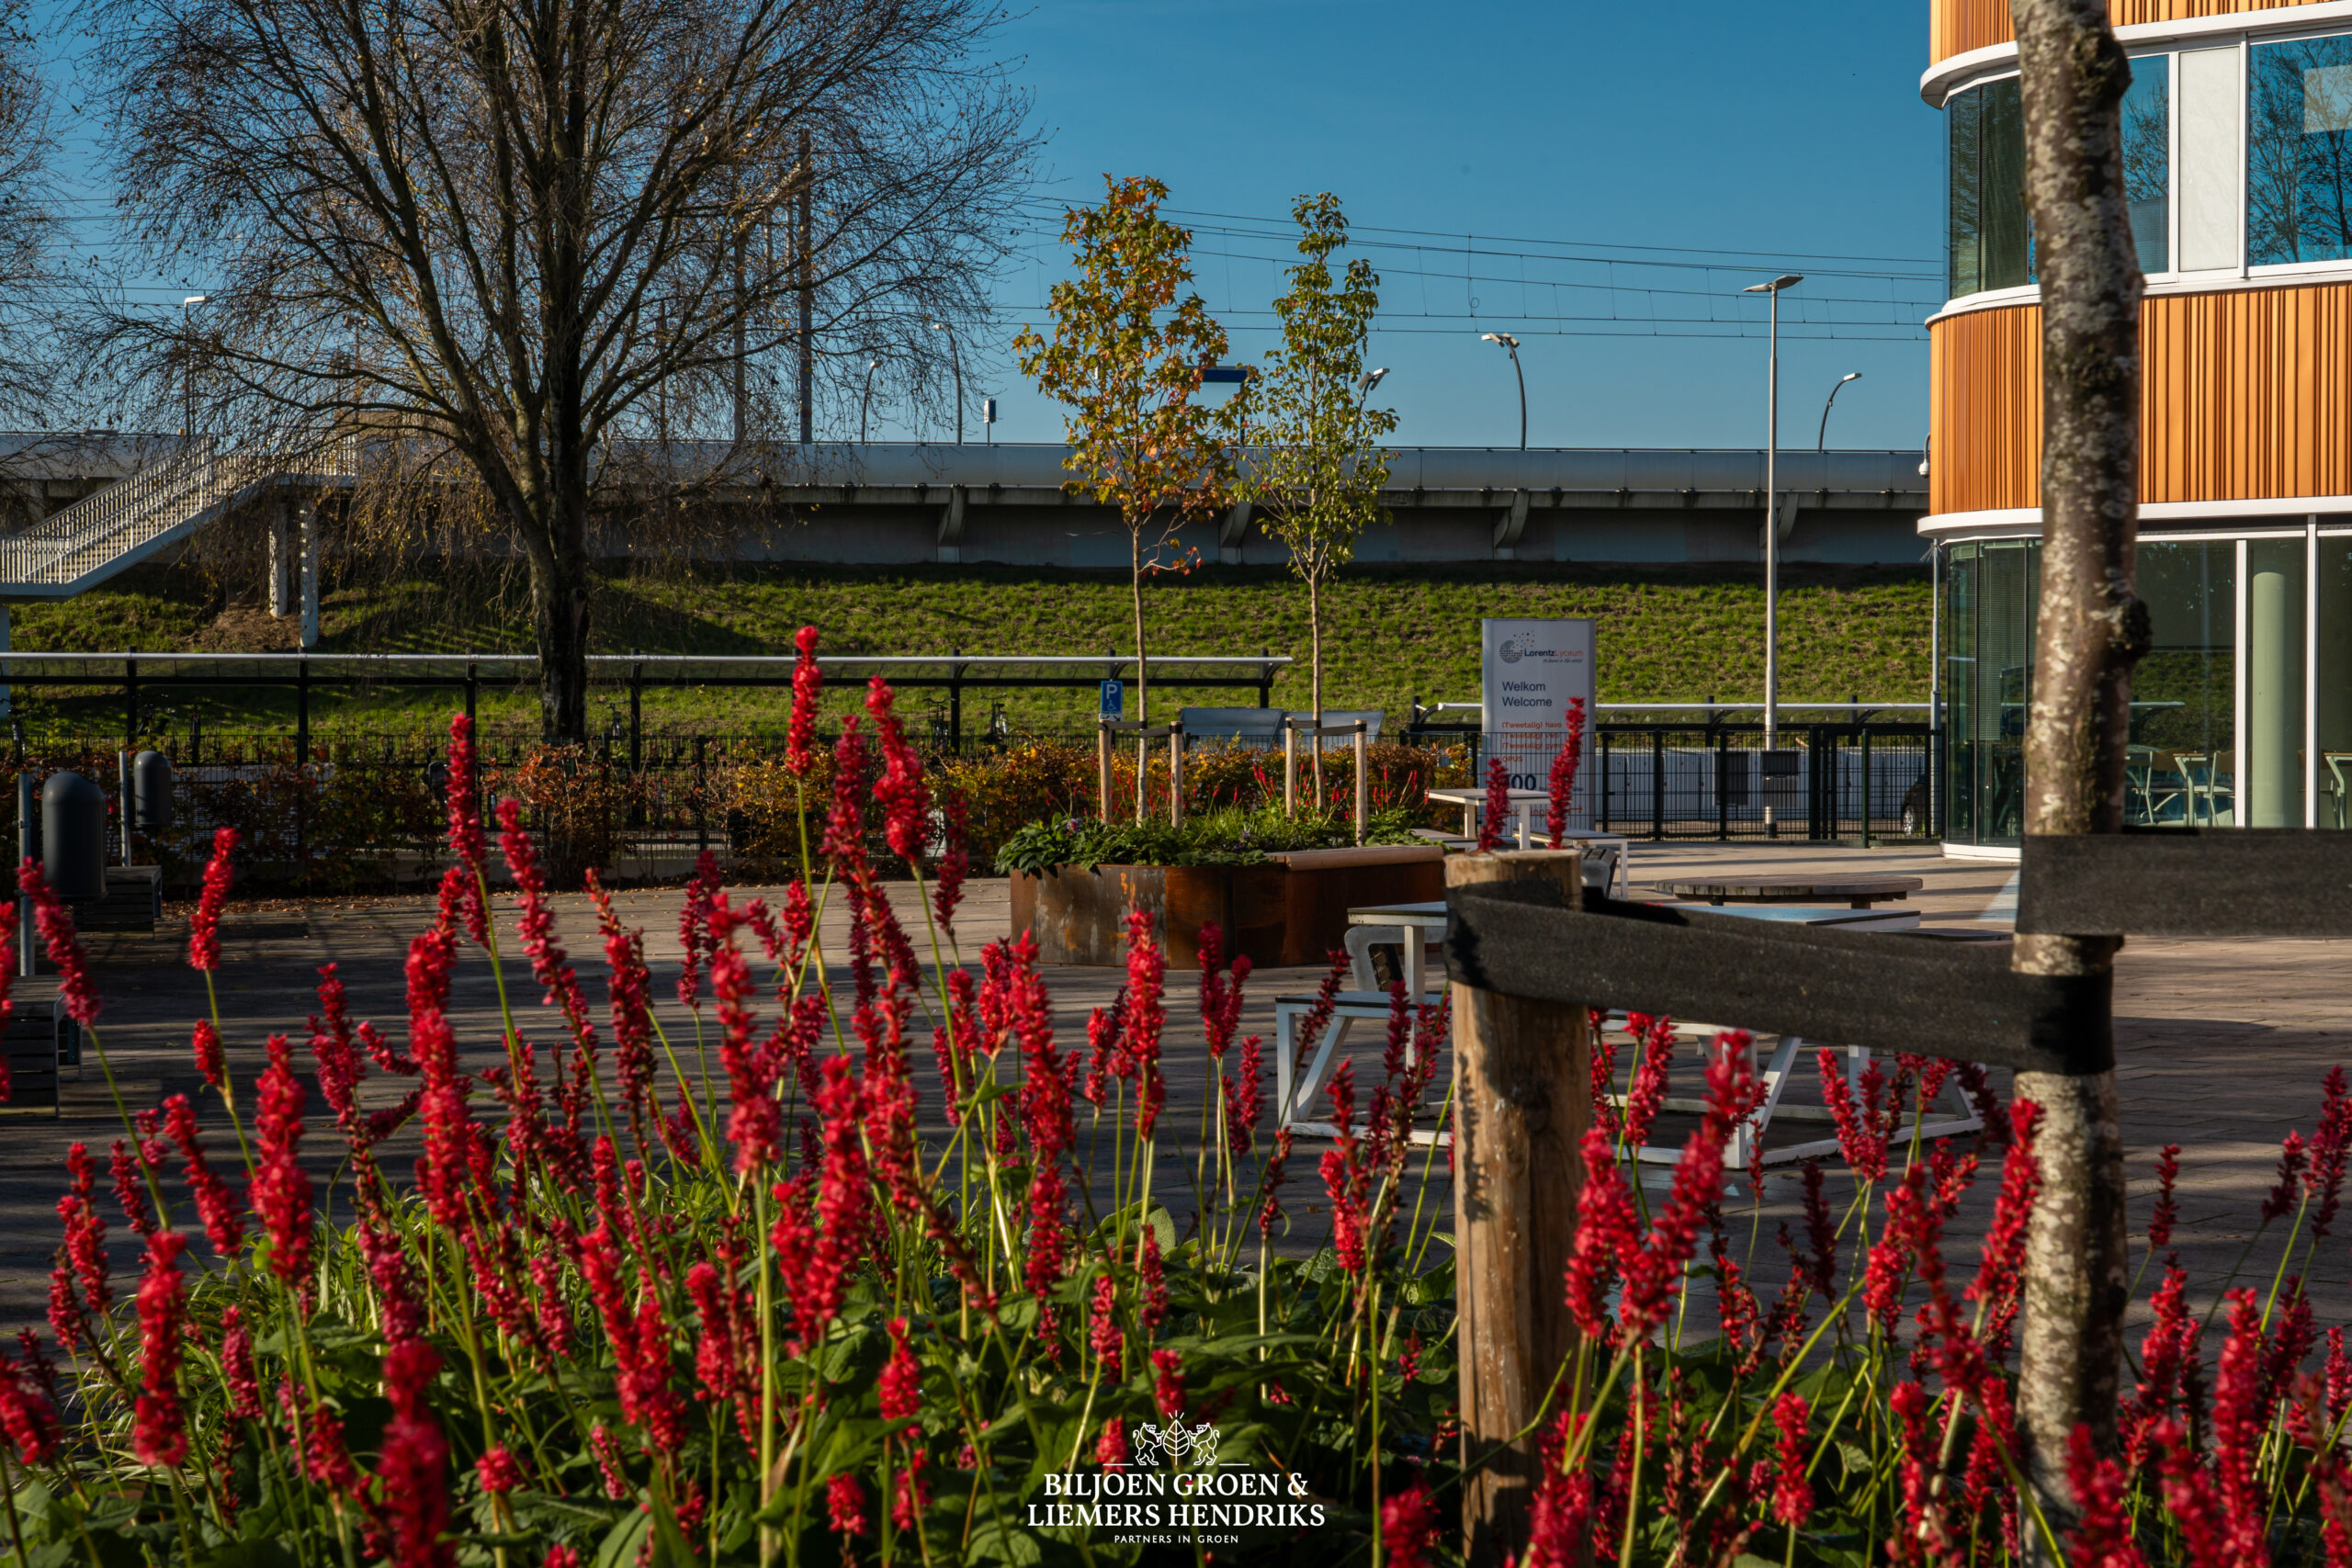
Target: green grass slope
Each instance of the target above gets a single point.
(1391, 634)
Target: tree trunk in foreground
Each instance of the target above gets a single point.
(2092, 630)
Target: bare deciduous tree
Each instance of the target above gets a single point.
(29, 220)
(2093, 628)
(519, 242)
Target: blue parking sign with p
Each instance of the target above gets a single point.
(1114, 698)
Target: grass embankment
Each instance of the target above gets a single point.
(1391, 634)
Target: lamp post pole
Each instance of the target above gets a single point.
(1821, 442)
(1510, 347)
(956, 353)
(1772, 291)
(188, 371)
(865, 405)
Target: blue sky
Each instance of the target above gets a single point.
(1699, 124)
(1599, 179)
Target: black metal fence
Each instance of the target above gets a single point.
(1864, 780)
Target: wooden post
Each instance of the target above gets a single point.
(1102, 767)
(1290, 770)
(1524, 1084)
(1176, 775)
(2092, 629)
(1364, 793)
(1143, 774)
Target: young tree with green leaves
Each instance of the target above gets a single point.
(1313, 463)
(1126, 356)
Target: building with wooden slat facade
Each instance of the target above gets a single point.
(2237, 133)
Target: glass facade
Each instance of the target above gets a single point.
(2240, 712)
(2147, 160)
(1992, 239)
(2298, 150)
(1990, 233)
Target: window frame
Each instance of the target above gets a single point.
(2029, 293)
(2336, 268)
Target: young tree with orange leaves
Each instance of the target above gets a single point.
(1129, 342)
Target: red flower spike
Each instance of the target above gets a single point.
(1820, 1263)
(204, 923)
(413, 1468)
(900, 791)
(463, 885)
(56, 923)
(1646, 1091)
(550, 965)
(694, 927)
(1111, 1448)
(1999, 1282)
(1347, 1181)
(216, 1203)
(1791, 1492)
(159, 1424)
(1153, 1285)
(129, 1191)
(281, 1189)
(845, 1505)
(28, 1410)
(954, 863)
(1564, 773)
(1408, 1524)
(1146, 1013)
(2328, 1148)
(1103, 1336)
(499, 1471)
(1168, 1382)
(1651, 1274)
(1606, 1233)
(211, 1062)
(1862, 1135)
(808, 685)
(2290, 1176)
(85, 1233)
(1496, 818)
(901, 1382)
(237, 1368)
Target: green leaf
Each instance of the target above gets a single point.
(621, 1542)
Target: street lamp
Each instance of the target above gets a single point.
(1364, 385)
(955, 352)
(1510, 347)
(187, 373)
(1821, 442)
(1772, 291)
(866, 404)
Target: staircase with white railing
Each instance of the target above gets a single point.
(109, 529)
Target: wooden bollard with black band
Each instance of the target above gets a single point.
(1523, 1093)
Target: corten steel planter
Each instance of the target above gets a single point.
(1292, 910)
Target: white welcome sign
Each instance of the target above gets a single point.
(1529, 671)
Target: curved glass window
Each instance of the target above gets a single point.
(1991, 233)
(2298, 151)
(1991, 243)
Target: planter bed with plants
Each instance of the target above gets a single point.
(1280, 888)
